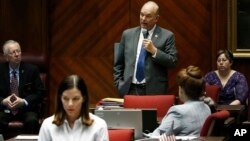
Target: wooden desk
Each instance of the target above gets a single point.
(209, 138)
(202, 138)
(14, 138)
(231, 108)
(236, 112)
(212, 138)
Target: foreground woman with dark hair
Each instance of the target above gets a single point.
(72, 120)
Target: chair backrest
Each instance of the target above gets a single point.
(160, 102)
(209, 125)
(121, 134)
(212, 91)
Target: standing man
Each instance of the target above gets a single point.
(144, 55)
(21, 90)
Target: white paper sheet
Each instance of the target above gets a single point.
(29, 137)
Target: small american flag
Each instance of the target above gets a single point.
(168, 136)
(165, 137)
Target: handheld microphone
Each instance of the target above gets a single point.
(145, 34)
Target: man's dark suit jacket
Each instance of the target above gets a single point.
(30, 88)
(155, 68)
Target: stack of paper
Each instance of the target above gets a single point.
(27, 137)
(112, 102)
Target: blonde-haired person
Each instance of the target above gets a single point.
(72, 120)
(188, 118)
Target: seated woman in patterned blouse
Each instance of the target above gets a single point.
(234, 87)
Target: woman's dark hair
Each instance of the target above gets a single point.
(72, 81)
(192, 82)
(227, 53)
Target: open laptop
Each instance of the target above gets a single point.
(138, 119)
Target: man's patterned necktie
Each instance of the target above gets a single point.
(14, 89)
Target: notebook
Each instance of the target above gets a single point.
(138, 119)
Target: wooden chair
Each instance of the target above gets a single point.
(160, 102)
(121, 134)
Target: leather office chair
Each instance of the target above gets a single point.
(215, 123)
(121, 134)
(212, 91)
(160, 102)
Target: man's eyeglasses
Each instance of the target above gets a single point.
(18, 51)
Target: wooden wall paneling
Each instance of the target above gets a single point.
(219, 29)
(220, 33)
(83, 34)
(1, 19)
(82, 41)
(26, 22)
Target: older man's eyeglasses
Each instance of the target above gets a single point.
(18, 51)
